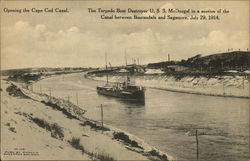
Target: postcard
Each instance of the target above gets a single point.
(125, 80)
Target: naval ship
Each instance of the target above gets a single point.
(124, 90)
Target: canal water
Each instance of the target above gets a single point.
(167, 120)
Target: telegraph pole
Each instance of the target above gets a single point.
(68, 98)
(197, 145)
(106, 66)
(40, 88)
(102, 115)
(223, 88)
(76, 98)
(50, 92)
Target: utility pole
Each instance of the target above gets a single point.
(243, 82)
(40, 88)
(50, 92)
(107, 77)
(102, 115)
(76, 98)
(197, 145)
(223, 88)
(106, 66)
(68, 98)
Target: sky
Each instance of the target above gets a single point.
(81, 39)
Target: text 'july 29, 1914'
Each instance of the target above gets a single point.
(158, 13)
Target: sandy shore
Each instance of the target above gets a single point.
(37, 127)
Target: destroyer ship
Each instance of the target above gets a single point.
(124, 90)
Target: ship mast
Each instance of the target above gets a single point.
(126, 57)
(106, 67)
(126, 66)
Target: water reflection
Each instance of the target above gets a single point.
(130, 103)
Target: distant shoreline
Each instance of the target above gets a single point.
(204, 94)
(197, 91)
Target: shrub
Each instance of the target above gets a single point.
(42, 123)
(75, 143)
(12, 129)
(15, 91)
(155, 153)
(7, 124)
(56, 107)
(126, 139)
(104, 157)
(94, 126)
(55, 129)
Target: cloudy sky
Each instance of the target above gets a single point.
(78, 38)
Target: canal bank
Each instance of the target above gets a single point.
(225, 86)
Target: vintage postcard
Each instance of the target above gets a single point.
(125, 80)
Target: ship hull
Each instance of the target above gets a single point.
(135, 95)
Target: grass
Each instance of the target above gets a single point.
(94, 126)
(55, 106)
(104, 157)
(42, 123)
(7, 124)
(100, 157)
(55, 129)
(156, 153)
(12, 129)
(75, 143)
(15, 91)
(126, 139)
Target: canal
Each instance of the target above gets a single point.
(167, 120)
